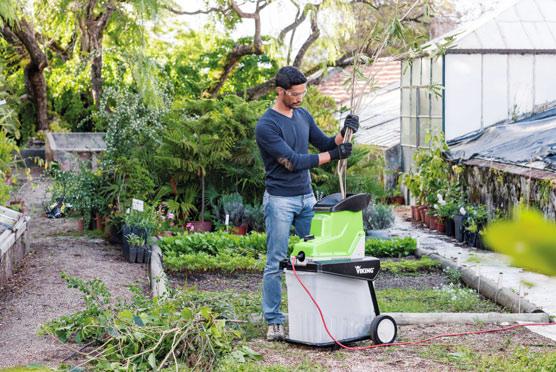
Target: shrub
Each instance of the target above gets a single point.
(378, 216)
(397, 247)
(148, 334)
(216, 251)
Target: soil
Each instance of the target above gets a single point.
(37, 294)
(252, 282)
(407, 358)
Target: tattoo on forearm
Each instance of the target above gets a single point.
(286, 163)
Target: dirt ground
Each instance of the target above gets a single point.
(446, 354)
(252, 282)
(37, 294)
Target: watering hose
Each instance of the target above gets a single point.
(408, 343)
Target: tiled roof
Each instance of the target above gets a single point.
(336, 85)
(379, 117)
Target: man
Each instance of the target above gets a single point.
(283, 135)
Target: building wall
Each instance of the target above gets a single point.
(485, 89)
(502, 186)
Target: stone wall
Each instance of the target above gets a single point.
(503, 186)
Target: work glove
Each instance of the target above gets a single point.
(343, 151)
(352, 122)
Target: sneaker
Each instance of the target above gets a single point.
(275, 332)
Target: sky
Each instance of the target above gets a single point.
(280, 13)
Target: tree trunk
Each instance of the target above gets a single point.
(36, 86)
(202, 198)
(92, 33)
(96, 72)
(23, 35)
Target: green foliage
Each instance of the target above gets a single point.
(322, 108)
(68, 93)
(378, 216)
(529, 239)
(9, 121)
(232, 205)
(432, 168)
(176, 332)
(132, 128)
(224, 262)
(365, 173)
(7, 161)
(124, 178)
(135, 240)
(147, 220)
(405, 266)
(80, 189)
(448, 299)
(254, 216)
(513, 356)
(253, 244)
(396, 247)
(476, 218)
(216, 252)
(213, 140)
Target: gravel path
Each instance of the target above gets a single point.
(37, 294)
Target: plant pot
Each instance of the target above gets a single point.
(132, 253)
(449, 227)
(239, 230)
(200, 226)
(422, 213)
(99, 222)
(458, 227)
(147, 254)
(80, 224)
(166, 233)
(440, 227)
(140, 255)
(471, 238)
(415, 213)
(428, 221)
(396, 200)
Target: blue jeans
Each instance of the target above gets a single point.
(280, 213)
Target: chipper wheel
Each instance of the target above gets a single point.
(383, 329)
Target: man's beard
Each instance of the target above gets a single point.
(293, 105)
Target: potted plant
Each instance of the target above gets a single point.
(471, 230)
(138, 250)
(254, 216)
(446, 212)
(232, 206)
(481, 218)
(199, 136)
(459, 221)
(141, 223)
(395, 197)
(81, 192)
(413, 183)
(376, 218)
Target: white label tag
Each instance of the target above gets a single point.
(137, 205)
(227, 221)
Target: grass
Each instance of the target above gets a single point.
(473, 259)
(424, 264)
(448, 299)
(518, 359)
(252, 366)
(527, 283)
(29, 368)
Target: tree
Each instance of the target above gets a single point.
(21, 35)
(89, 21)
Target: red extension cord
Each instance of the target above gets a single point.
(403, 343)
